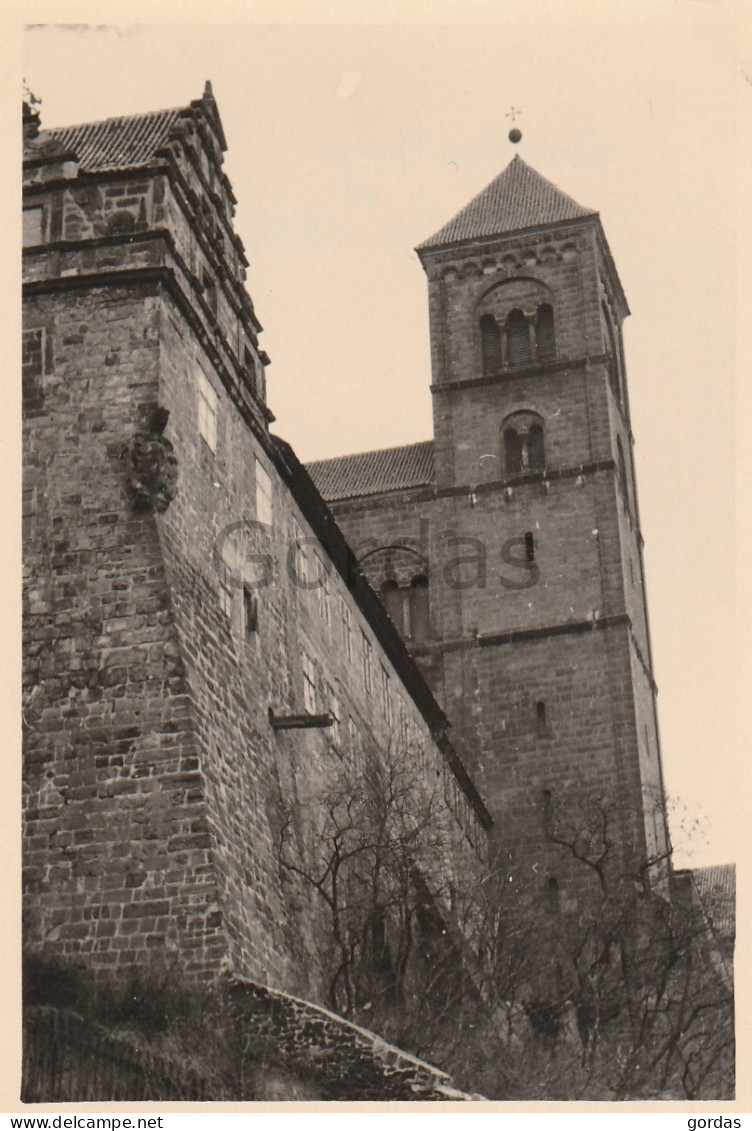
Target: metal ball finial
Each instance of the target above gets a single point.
(515, 135)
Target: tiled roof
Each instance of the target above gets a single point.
(118, 143)
(370, 473)
(716, 890)
(518, 198)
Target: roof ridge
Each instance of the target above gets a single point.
(115, 118)
(369, 452)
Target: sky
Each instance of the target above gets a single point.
(351, 140)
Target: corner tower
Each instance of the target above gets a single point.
(538, 643)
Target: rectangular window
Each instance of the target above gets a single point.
(366, 650)
(207, 412)
(403, 729)
(33, 226)
(334, 711)
(249, 362)
(386, 701)
(225, 597)
(28, 513)
(33, 353)
(250, 612)
(309, 684)
(353, 737)
(346, 617)
(323, 588)
(210, 291)
(540, 718)
(300, 558)
(263, 495)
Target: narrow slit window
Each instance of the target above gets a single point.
(346, 618)
(207, 412)
(540, 717)
(263, 495)
(225, 596)
(334, 711)
(309, 684)
(250, 612)
(553, 895)
(366, 651)
(529, 547)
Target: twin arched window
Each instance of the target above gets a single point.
(407, 607)
(522, 339)
(523, 442)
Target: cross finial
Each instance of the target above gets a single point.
(513, 114)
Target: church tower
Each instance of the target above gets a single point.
(528, 531)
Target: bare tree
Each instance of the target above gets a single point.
(616, 995)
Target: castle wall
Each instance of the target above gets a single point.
(117, 861)
(186, 590)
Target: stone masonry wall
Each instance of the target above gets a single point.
(155, 781)
(117, 861)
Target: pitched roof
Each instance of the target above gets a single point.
(518, 198)
(370, 473)
(118, 143)
(716, 890)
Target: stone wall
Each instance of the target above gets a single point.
(187, 589)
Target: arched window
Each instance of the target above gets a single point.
(518, 338)
(512, 450)
(523, 442)
(545, 341)
(536, 456)
(490, 345)
(420, 626)
(394, 603)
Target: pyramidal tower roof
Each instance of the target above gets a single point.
(518, 198)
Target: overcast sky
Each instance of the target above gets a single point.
(349, 144)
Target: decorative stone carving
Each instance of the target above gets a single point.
(152, 471)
